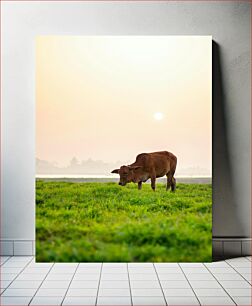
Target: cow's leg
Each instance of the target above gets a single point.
(169, 181)
(139, 185)
(173, 185)
(153, 182)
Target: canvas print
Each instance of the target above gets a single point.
(123, 148)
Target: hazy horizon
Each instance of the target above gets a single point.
(109, 98)
(99, 167)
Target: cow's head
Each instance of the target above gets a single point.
(127, 174)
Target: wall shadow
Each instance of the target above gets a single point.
(225, 215)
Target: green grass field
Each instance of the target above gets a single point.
(106, 222)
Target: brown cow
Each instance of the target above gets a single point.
(149, 165)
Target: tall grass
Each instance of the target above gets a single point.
(107, 222)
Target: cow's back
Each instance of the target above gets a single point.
(159, 163)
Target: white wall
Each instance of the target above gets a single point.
(227, 22)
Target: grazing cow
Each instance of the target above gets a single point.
(149, 165)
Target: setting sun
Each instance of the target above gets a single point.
(158, 116)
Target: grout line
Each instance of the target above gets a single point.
(70, 283)
(189, 283)
(238, 273)
(15, 278)
(246, 258)
(159, 283)
(9, 257)
(41, 283)
(220, 284)
(131, 299)
(96, 300)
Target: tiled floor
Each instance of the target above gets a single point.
(24, 282)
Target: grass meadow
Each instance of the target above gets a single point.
(95, 222)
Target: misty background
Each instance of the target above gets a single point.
(99, 167)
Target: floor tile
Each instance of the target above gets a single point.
(102, 300)
(148, 300)
(139, 276)
(62, 271)
(142, 270)
(55, 284)
(5, 283)
(114, 292)
(192, 264)
(114, 284)
(220, 270)
(40, 265)
(85, 276)
(36, 270)
(25, 284)
(14, 264)
(47, 300)
(64, 268)
(145, 284)
(243, 300)
(4, 259)
(82, 292)
(175, 284)
(239, 291)
(172, 276)
(229, 276)
(10, 270)
(114, 269)
(166, 264)
(237, 259)
(21, 258)
(204, 284)
(247, 277)
(51, 292)
(84, 284)
(146, 292)
(140, 264)
(210, 292)
(8, 276)
(95, 264)
(243, 270)
(195, 270)
(88, 270)
(30, 276)
(169, 270)
(15, 300)
(235, 284)
(180, 300)
(241, 264)
(79, 301)
(178, 292)
(65, 265)
(221, 300)
(114, 264)
(119, 276)
(200, 276)
(59, 277)
(217, 264)
(19, 292)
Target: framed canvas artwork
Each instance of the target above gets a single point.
(123, 148)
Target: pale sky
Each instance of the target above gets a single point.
(112, 97)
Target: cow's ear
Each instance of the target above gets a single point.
(115, 171)
(135, 167)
